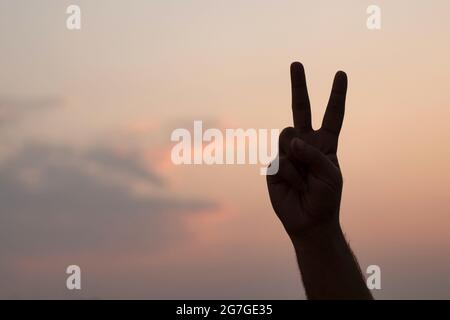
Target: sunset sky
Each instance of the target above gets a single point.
(85, 123)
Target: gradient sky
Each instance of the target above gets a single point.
(85, 123)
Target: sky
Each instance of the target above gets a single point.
(85, 124)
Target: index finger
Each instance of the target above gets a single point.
(301, 109)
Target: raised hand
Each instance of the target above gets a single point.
(306, 195)
(306, 191)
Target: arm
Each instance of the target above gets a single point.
(306, 193)
(328, 267)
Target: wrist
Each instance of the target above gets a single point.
(322, 235)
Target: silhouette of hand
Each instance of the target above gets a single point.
(306, 191)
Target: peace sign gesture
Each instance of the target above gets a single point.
(306, 190)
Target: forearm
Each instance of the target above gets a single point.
(328, 267)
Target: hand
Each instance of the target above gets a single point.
(306, 191)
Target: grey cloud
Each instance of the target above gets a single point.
(13, 109)
(69, 210)
(129, 164)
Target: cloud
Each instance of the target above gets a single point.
(52, 204)
(101, 204)
(125, 161)
(13, 109)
